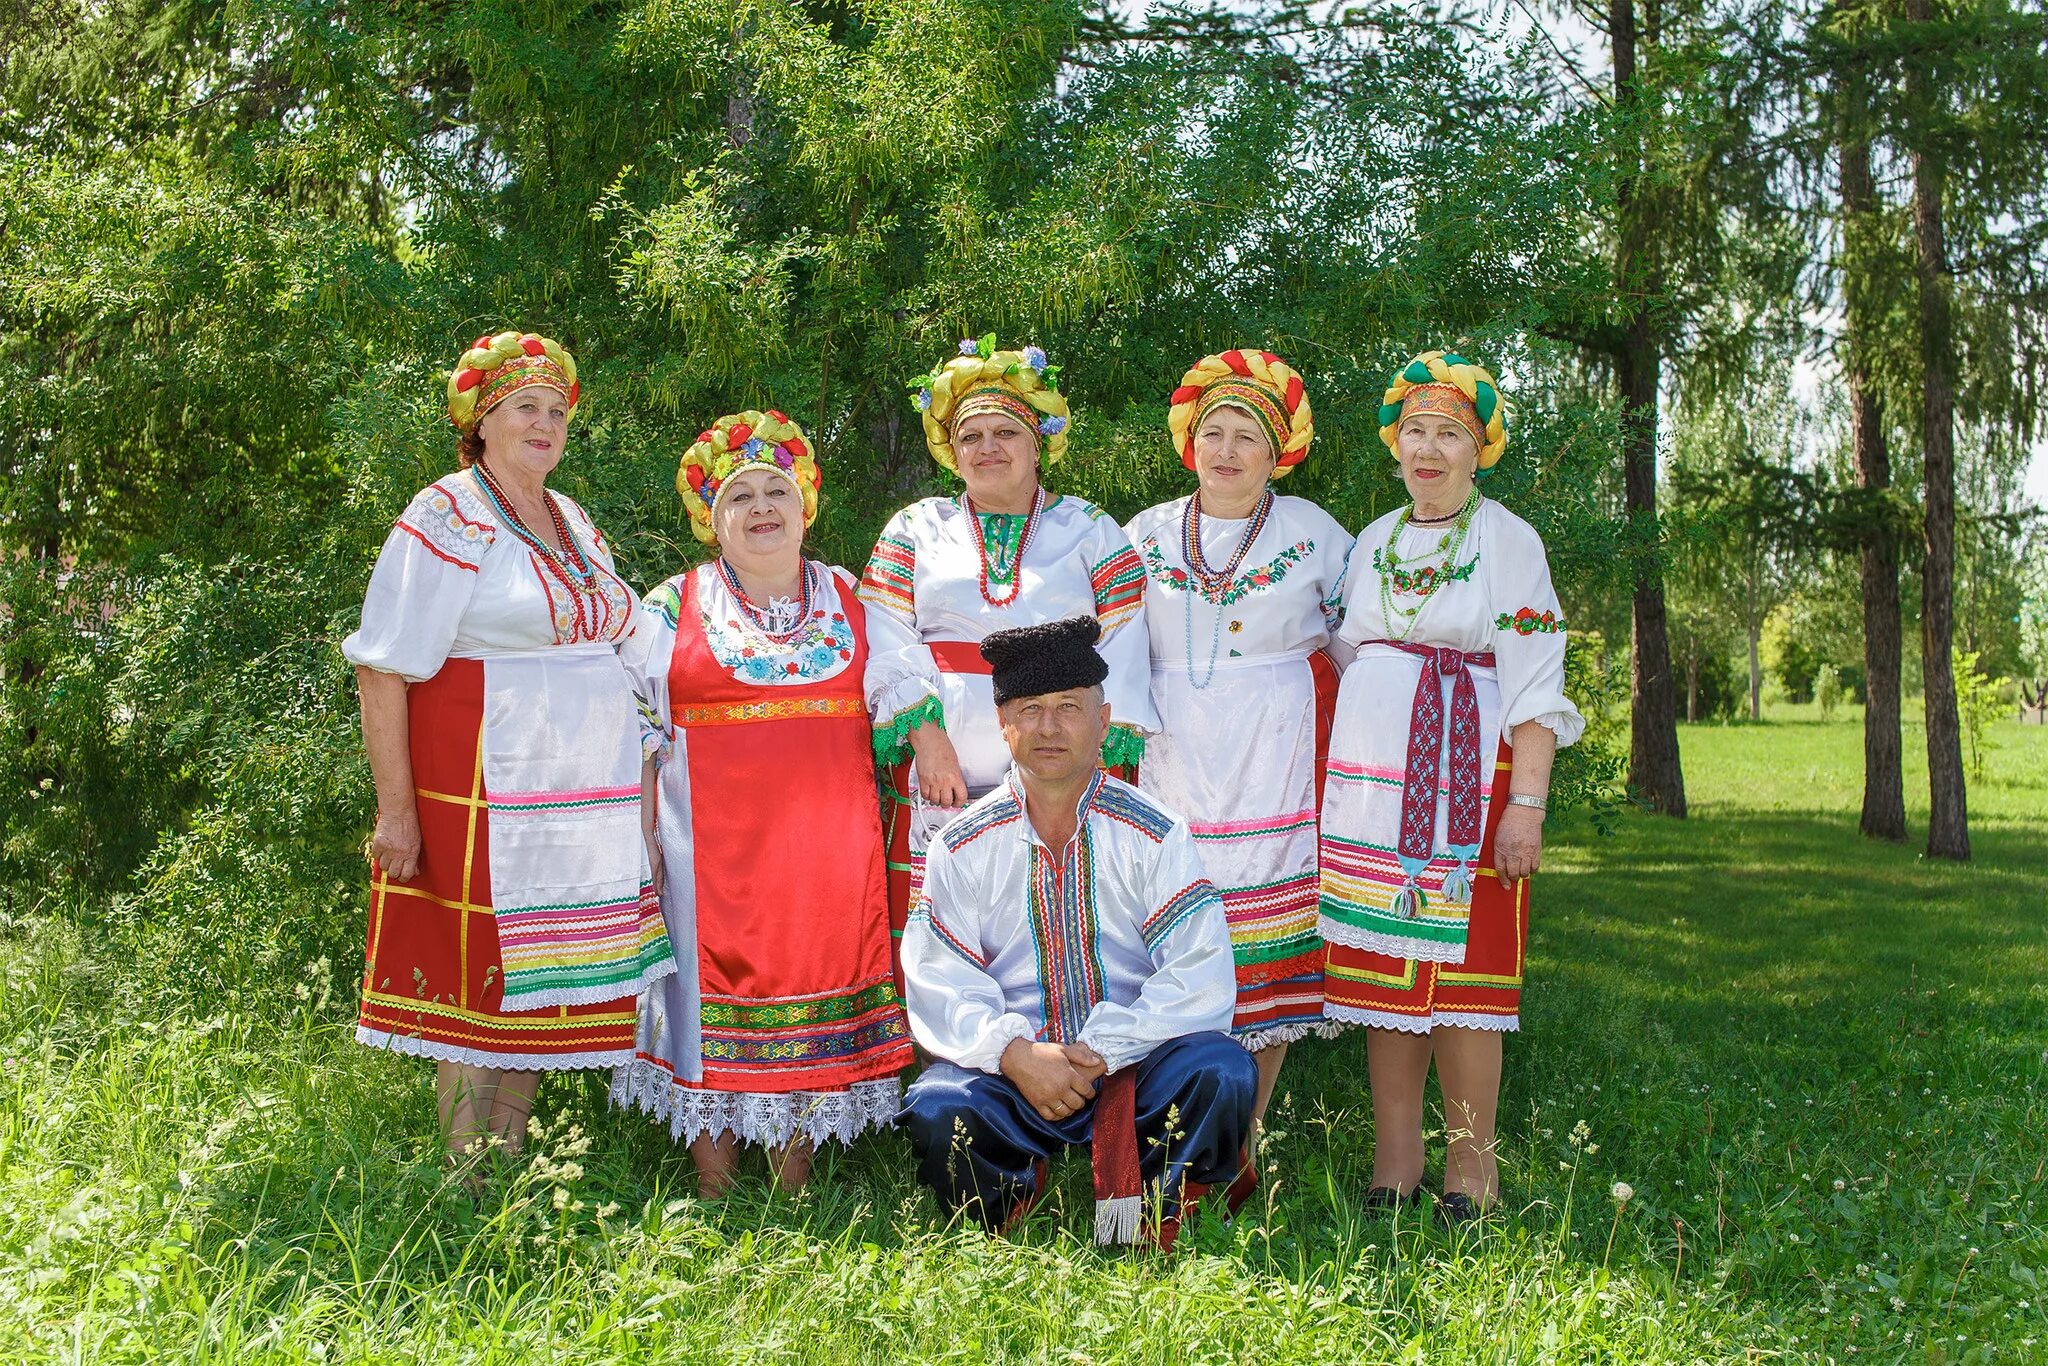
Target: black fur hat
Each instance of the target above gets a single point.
(1050, 657)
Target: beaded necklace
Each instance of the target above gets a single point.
(764, 618)
(1413, 576)
(569, 565)
(1209, 583)
(1012, 572)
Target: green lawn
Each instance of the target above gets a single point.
(1818, 1062)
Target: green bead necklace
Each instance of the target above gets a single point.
(1413, 576)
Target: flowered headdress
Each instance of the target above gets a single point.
(1440, 382)
(981, 379)
(737, 443)
(1254, 382)
(495, 368)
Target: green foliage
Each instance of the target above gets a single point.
(243, 243)
(1981, 700)
(1827, 690)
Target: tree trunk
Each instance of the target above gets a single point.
(1884, 789)
(1692, 690)
(1948, 822)
(1756, 675)
(1653, 766)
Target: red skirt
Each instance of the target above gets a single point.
(432, 980)
(1483, 992)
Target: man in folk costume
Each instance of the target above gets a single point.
(1069, 970)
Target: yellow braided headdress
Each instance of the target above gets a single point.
(495, 368)
(982, 378)
(1261, 384)
(744, 441)
(1439, 381)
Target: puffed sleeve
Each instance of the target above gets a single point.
(1529, 632)
(1193, 986)
(1118, 578)
(646, 654)
(955, 1006)
(902, 680)
(1332, 560)
(425, 576)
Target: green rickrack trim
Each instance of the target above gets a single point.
(1123, 745)
(893, 739)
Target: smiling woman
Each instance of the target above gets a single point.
(512, 923)
(1005, 553)
(783, 1027)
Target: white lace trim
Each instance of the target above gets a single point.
(414, 1046)
(1496, 1024)
(1422, 1024)
(547, 998)
(770, 1119)
(1394, 946)
(1273, 1035)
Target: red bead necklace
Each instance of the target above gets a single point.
(1016, 561)
(569, 565)
(759, 616)
(1213, 582)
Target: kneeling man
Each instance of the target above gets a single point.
(1069, 969)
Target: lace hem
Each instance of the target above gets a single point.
(1392, 945)
(769, 1119)
(892, 738)
(1272, 1036)
(1422, 1024)
(413, 1046)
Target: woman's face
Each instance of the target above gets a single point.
(998, 457)
(527, 431)
(1439, 459)
(1233, 457)
(760, 516)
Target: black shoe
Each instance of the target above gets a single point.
(1455, 1209)
(1382, 1199)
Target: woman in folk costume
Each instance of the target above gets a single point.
(784, 1027)
(512, 920)
(1244, 598)
(1426, 850)
(1005, 553)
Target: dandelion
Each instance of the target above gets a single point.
(1623, 1192)
(1840, 1184)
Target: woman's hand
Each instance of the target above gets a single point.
(1518, 844)
(939, 780)
(657, 873)
(395, 843)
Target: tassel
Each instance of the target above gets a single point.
(1119, 1221)
(1458, 882)
(1119, 1202)
(1407, 902)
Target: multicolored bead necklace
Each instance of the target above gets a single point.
(764, 618)
(1212, 584)
(1011, 572)
(569, 565)
(1413, 576)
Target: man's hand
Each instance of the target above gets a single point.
(939, 781)
(1518, 844)
(1047, 1077)
(1087, 1061)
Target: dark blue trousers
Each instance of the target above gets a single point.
(978, 1140)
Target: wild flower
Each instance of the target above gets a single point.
(1623, 1192)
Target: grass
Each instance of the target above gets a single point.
(1817, 1061)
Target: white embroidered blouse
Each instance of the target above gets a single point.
(923, 585)
(1117, 942)
(1285, 600)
